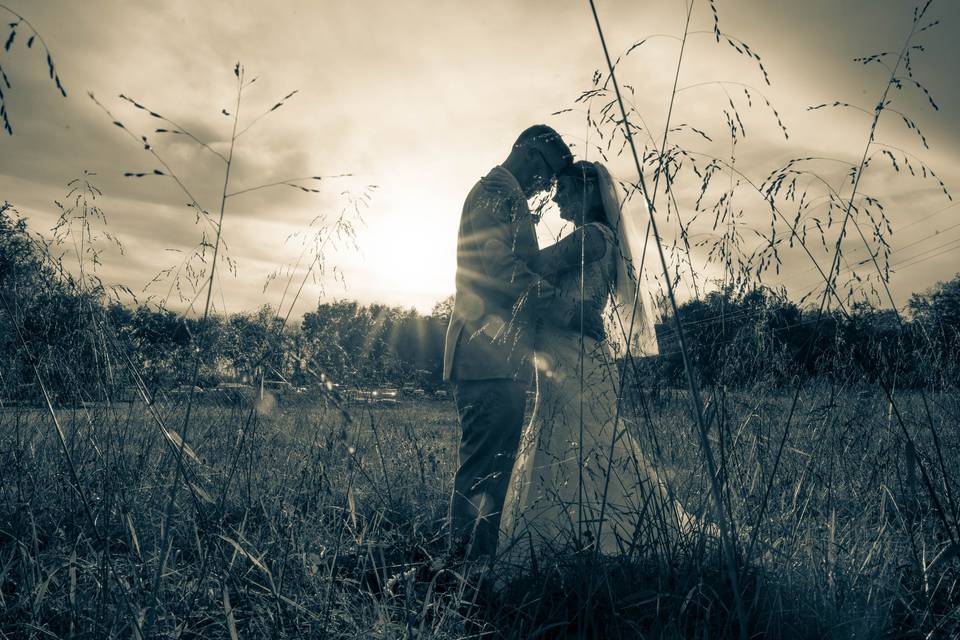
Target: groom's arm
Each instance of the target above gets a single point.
(514, 278)
(583, 246)
(537, 294)
(494, 239)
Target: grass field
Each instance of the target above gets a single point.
(307, 516)
(304, 519)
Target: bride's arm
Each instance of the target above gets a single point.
(587, 243)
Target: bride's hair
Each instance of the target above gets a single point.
(583, 173)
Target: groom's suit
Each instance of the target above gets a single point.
(489, 346)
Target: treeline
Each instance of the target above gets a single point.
(90, 350)
(345, 342)
(83, 347)
(760, 335)
(68, 335)
(85, 342)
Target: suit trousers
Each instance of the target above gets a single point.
(491, 420)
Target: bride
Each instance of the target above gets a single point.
(581, 480)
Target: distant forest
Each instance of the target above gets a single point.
(85, 347)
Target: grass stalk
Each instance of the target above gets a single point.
(727, 539)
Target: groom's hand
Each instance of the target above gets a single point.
(592, 325)
(558, 311)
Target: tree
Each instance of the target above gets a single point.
(47, 320)
(936, 328)
(443, 309)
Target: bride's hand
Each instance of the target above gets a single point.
(592, 326)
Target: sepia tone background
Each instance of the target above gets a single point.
(422, 99)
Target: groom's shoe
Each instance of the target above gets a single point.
(474, 593)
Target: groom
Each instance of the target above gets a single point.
(489, 343)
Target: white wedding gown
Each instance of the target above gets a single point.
(581, 481)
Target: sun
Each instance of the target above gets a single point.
(409, 261)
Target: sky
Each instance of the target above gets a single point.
(422, 98)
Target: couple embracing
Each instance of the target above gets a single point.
(573, 476)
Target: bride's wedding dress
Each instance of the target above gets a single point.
(581, 480)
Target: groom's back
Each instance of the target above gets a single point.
(496, 240)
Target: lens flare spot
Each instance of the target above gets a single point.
(266, 404)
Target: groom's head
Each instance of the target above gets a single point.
(537, 157)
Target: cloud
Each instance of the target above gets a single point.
(422, 99)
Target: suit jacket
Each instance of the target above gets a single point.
(498, 297)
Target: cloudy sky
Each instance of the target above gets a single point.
(422, 98)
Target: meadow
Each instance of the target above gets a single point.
(311, 518)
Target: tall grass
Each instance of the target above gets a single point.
(18, 26)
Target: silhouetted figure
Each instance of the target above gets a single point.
(581, 479)
(489, 340)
